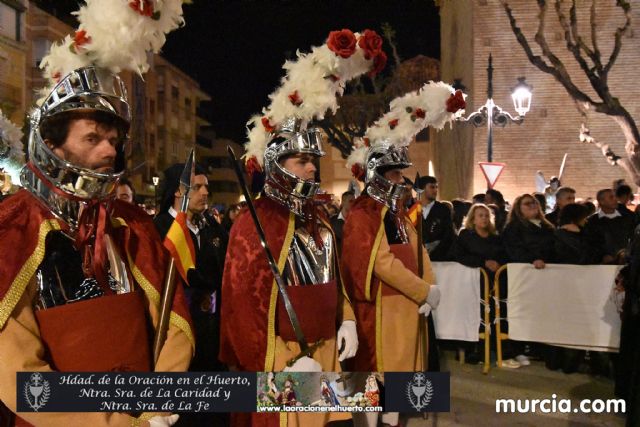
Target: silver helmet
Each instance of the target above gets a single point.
(381, 157)
(63, 186)
(281, 184)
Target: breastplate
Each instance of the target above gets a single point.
(60, 278)
(307, 263)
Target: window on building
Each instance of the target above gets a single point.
(10, 20)
(41, 47)
(175, 99)
(187, 109)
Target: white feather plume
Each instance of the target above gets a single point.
(317, 78)
(407, 116)
(120, 37)
(359, 153)
(11, 135)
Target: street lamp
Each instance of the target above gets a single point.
(492, 115)
(156, 180)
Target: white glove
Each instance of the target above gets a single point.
(304, 364)
(347, 332)
(433, 299)
(425, 309)
(160, 421)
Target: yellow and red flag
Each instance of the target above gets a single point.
(414, 213)
(180, 245)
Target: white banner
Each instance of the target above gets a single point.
(458, 314)
(567, 305)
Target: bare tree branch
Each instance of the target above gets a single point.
(571, 32)
(594, 37)
(534, 59)
(557, 69)
(626, 7)
(337, 138)
(596, 73)
(390, 34)
(579, 41)
(585, 137)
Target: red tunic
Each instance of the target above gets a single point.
(386, 311)
(25, 223)
(358, 252)
(250, 316)
(108, 330)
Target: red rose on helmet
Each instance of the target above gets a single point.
(295, 98)
(252, 166)
(371, 43)
(379, 63)
(456, 102)
(420, 113)
(357, 171)
(343, 43)
(80, 38)
(267, 126)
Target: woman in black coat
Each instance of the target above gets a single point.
(478, 244)
(528, 236)
(570, 243)
(570, 248)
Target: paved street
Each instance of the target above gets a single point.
(474, 394)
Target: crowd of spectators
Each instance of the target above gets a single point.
(573, 232)
(488, 232)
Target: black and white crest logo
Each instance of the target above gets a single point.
(36, 391)
(419, 391)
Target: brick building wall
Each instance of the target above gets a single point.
(552, 127)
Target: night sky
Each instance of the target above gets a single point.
(235, 48)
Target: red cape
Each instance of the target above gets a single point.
(25, 223)
(360, 242)
(247, 325)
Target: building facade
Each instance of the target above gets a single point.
(473, 29)
(13, 59)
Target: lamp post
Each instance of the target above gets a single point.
(492, 115)
(156, 180)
